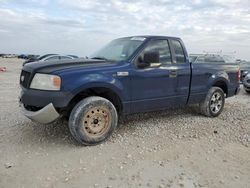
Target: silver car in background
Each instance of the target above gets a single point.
(246, 83)
(50, 57)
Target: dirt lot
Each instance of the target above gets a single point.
(175, 148)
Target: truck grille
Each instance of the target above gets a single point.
(25, 79)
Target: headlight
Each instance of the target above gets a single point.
(46, 82)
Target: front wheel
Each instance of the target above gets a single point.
(93, 120)
(213, 105)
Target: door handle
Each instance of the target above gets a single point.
(173, 73)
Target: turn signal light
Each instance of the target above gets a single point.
(57, 81)
(238, 75)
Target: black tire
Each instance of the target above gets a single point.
(93, 120)
(208, 106)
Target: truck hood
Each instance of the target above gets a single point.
(52, 66)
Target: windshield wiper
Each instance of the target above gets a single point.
(101, 58)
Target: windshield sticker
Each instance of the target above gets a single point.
(138, 38)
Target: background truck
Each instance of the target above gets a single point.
(129, 75)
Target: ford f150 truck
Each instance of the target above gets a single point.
(129, 75)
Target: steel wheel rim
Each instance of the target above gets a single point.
(96, 121)
(216, 102)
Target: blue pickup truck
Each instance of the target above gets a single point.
(129, 75)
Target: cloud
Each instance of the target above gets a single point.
(83, 26)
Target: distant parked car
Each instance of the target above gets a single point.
(31, 56)
(246, 83)
(9, 55)
(74, 56)
(38, 58)
(245, 69)
(50, 57)
(27, 56)
(22, 56)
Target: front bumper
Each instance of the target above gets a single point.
(246, 87)
(46, 115)
(40, 98)
(43, 106)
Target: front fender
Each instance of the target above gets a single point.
(78, 83)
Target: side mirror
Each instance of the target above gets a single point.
(150, 58)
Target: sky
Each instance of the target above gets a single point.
(81, 27)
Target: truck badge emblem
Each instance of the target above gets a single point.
(122, 73)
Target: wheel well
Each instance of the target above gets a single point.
(97, 91)
(222, 85)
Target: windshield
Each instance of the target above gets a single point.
(119, 49)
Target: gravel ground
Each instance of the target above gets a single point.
(174, 148)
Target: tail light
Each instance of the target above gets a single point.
(238, 75)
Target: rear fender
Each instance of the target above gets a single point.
(218, 77)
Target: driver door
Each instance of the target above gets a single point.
(154, 87)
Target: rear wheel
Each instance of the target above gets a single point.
(93, 120)
(213, 105)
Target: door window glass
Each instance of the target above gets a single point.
(54, 58)
(64, 57)
(162, 47)
(179, 53)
